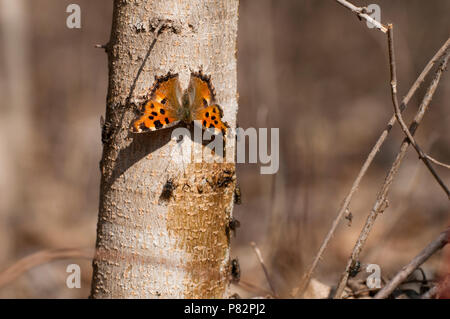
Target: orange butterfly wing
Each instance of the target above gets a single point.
(160, 110)
(202, 102)
(163, 107)
(155, 116)
(211, 117)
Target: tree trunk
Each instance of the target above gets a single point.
(151, 244)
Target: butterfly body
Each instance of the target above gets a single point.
(184, 112)
(167, 105)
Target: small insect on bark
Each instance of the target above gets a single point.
(167, 191)
(106, 130)
(235, 271)
(355, 268)
(225, 178)
(233, 225)
(237, 195)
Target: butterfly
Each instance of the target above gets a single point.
(167, 105)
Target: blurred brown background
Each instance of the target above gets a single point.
(310, 68)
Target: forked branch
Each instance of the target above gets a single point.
(380, 204)
(423, 256)
(398, 115)
(263, 266)
(361, 13)
(375, 149)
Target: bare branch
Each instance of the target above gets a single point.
(380, 204)
(435, 161)
(397, 112)
(102, 46)
(431, 292)
(360, 12)
(423, 256)
(266, 273)
(307, 278)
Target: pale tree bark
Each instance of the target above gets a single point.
(175, 245)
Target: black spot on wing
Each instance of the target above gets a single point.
(151, 117)
(154, 113)
(162, 111)
(207, 114)
(167, 120)
(158, 124)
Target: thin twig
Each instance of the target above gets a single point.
(380, 204)
(39, 258)
(405, 200)
(266, 273)
(102, 46)
(435, 161)
(307, 278)
(360, 12)
(423, 256)
(397, 112)
(431, 292)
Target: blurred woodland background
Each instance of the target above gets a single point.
(309, 67)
